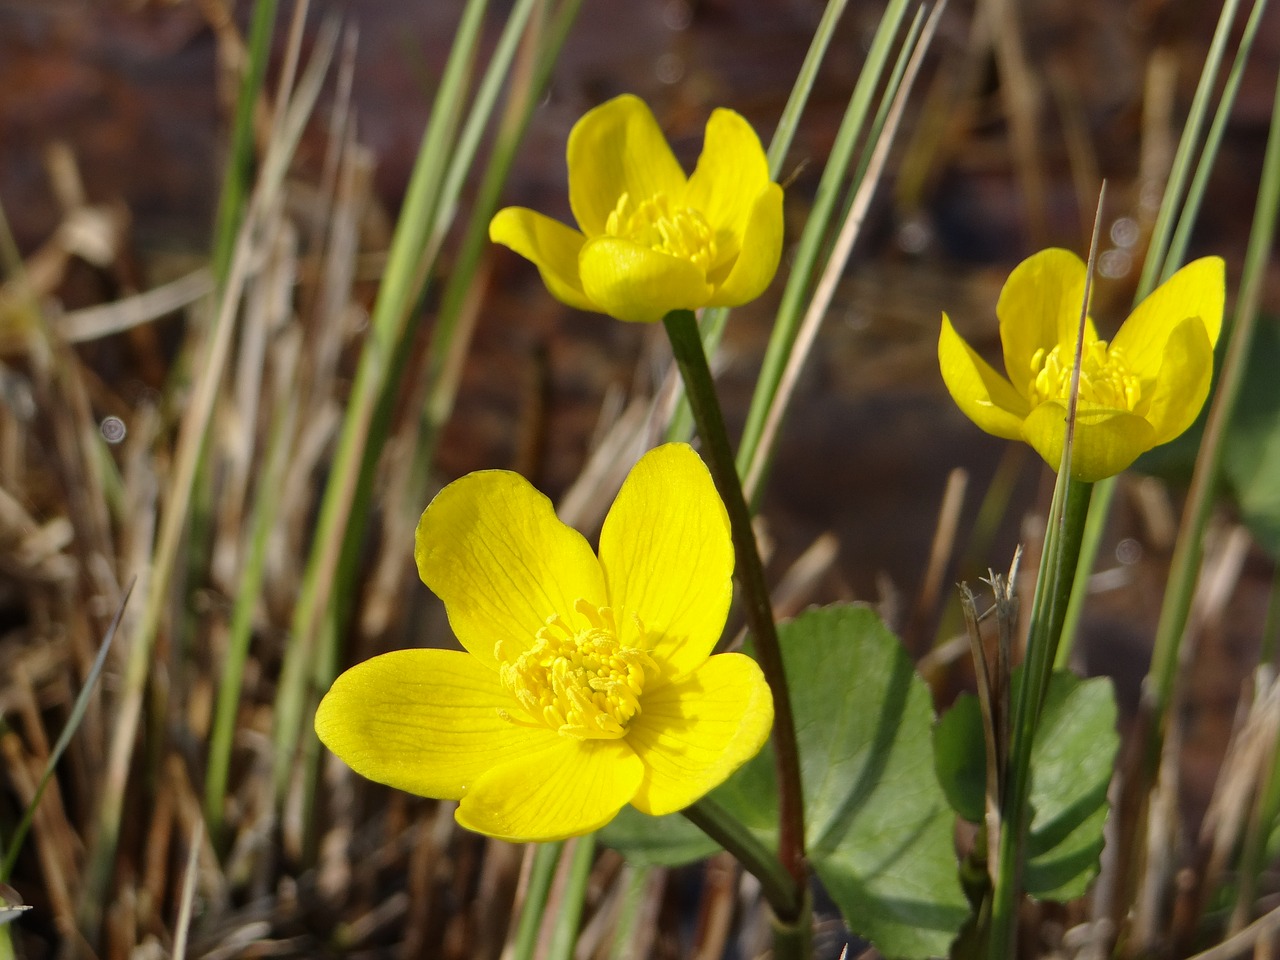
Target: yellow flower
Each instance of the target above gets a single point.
(652, 240)
(1142, 390)
(587, 683)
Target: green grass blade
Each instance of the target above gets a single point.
(1167, 249)
(238, 180)
(816, 232)
(713, 320)
(406, 269)
(64, 739)
(184, 482)
(564, 933)
(1175, 187)
(546, 857)
(1190, 211)
(884, 127)
(1188, 551)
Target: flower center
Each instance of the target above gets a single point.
(1105, 380)
(584, 684)
(660, 225)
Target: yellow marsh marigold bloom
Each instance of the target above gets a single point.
(651, 240)
(587, 683)
(1141, 390)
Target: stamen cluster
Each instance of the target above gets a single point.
(1105, 380)
(584, 684)
(658, 224)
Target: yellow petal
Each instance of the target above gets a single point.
(1182, 383)
(614, 149)
(424, 721)
(1039, 308)
(552, 247)
(570, 788)
(631, 282)
(760, 252)
(693, 733)
(668, 557)
(1197, 290)
(984, 396)
(1106, 441)
(492, 548)
(731, 173)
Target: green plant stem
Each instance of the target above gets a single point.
(564, 935)
(1053, 588)
(543, 870)
(635, 883)
(686, 344)
(776, 884)
(1095, 526)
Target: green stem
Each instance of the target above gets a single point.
(776, 884)
(686, 344)
(568, 919)
(1053, 589)
(543, 870)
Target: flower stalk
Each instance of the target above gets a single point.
(1058, 563)
(686, 345)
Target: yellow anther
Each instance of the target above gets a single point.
(583, 683)
(660, 225)
(1105, 380)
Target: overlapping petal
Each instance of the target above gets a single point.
(985, 397)
(668, 557)
(1197, 290)
(1182, 384)
(696, 731)
(732, 169)
(1039, 308)
(492, 548)
(553, 248)
(638, 284)
(424, 721)
(618, 148)
(760, 250)
(561, 790)
(1106, 441)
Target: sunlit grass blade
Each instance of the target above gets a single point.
(184, 480)
(816, 235)
(248, 593)
(542, 870)
(712, 321)
(1157, 263)
(441, 390)
(1190, 210)
(64, 739)
(568, 918)
(406, 269)
(1167, 247)
(875, 156)
(1189, 549)
(237, 181)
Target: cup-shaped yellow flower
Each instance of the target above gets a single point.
(650, 239)
(1141, 390)
(587, 683)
